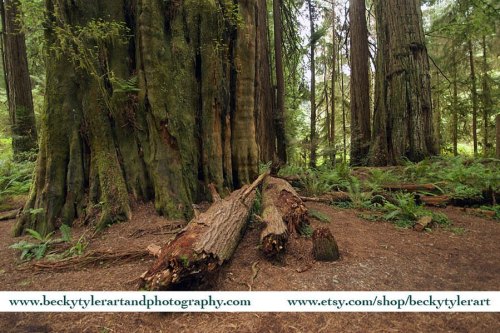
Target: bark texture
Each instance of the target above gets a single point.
(157, 116)
(20, 99)
(280, 82)
(284, 214)
(403, 110)
(203, 246)
(313, 135)
(360, 85)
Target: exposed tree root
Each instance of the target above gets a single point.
(93, 258)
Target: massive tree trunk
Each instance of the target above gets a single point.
(155, 116)
(312, 51)
(403, 114)
(20, 100)
(360, 85)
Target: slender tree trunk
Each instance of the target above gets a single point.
(331, 138)
(313, 134)
(437, 114)
(487, 102)
(360, 85)
(186, 117)
(474, 96)
(327, 108)
(454, 121)
(20, 99)
(497, 123)
(344, 116)
(403, 125)
(280, 82)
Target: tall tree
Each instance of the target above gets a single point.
(454, 104)
(312, 54)
(473, 94)
(486, 98)
(20, 99)
(360, 84)
(280, 82)
(331, 132)
(146, 99)
(403, 113)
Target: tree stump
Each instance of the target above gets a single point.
(325, 247)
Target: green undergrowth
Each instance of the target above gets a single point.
(15, 176)
(473, 181)
(39, 246)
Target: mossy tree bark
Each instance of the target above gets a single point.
(403, 111)
(157, 116)
(20, 99)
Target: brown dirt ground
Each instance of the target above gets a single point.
(374, 256)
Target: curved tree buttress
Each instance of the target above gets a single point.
(147, 100)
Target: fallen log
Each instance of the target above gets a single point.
(201, 248)
(283, 212)
(411, 187)
(329, 197)
(436, 201)
(9, 215)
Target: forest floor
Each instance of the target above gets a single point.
(374, 256)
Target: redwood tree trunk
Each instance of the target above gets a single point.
(158, 116)
(20, 99)
(360, 85)
(403, 113)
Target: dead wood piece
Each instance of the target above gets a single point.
(213, 192)
(203, 246)
(154, 250)
(480, 212)
(329, 197)
(167, 229)
(410, 187)
(325, 247)
(9, 215)
(423, 223)
(437, 201)
(284, 214)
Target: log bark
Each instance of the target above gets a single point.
(410, 187)
(9, 215)
(437, 201)
(198, 251)
(329, 197)
(283, 213)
